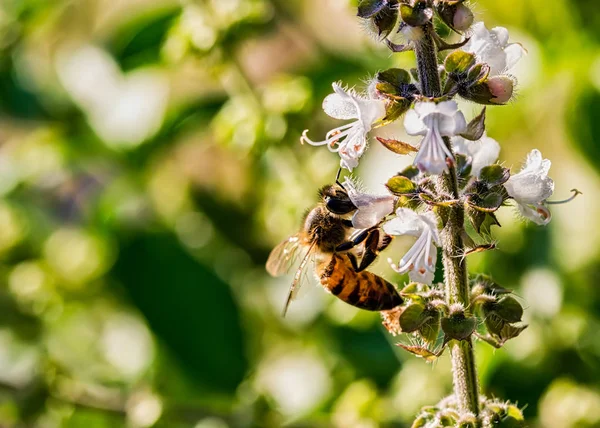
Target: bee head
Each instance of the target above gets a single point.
(336, 199)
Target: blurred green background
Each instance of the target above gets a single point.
(149, 161)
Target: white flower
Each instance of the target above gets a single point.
(434, 121)
(531, 187)
(349, 140)
(420, 260)
(483, 152)
(371, 208)
(492, 47)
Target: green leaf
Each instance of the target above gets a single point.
(413, 317)
(459, 62)
(509, 309)
(394, 109)
(430, 329)
(475, 128)
(394, 76)
(400, 185)
(494, 175)
(188, 307)
(410, 171)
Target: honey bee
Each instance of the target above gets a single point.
(327, 239)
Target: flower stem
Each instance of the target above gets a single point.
(466, 387)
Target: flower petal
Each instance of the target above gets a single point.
(539, 214)
(406, 222)
(340, 107)
(413, 123)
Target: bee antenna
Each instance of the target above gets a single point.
(337, 178)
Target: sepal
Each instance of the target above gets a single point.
(381, 15)
(417, 15)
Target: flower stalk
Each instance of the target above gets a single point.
(466, 386)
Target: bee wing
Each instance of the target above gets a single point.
(371, 210)
(284, 255)
(299, 278)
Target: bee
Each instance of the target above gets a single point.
(327, 239)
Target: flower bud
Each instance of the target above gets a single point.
(456, 16)
(463, 18)
(494, 90)
(501, 87)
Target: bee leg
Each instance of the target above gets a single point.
(353, 260)
(348, 245)
(371, 250)
(384, 242)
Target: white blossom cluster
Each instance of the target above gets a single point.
(432, 120)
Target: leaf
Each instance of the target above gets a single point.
(188, 307)
(396, 146)
(424, 353)
(394, 76)
(509, 309)
(476, 127)
(430, 329)
(399, 185)
(395, 108)
(413, 317)
(459, 62)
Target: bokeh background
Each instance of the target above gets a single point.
(149, 161)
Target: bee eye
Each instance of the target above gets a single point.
(339, 206)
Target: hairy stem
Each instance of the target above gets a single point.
(466, 388)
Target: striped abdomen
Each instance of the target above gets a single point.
(364, 290)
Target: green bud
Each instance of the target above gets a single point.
(458, 327)
(459, 62)
(416, 16)
(400, 185)
(381, 15)
(484, 284)
(489, 202)
(494, 175)
(463, 166)
(493, 91)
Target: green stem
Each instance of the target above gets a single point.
(466, 387)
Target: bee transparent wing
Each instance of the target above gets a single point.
(284, 256)
(371, 210)
(300, 278)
